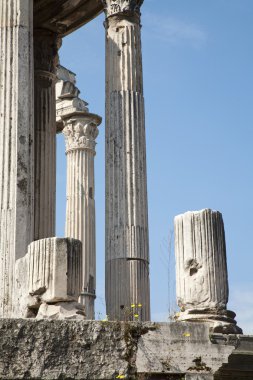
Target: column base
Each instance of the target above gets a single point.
(221, 321)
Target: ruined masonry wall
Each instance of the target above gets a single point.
(49, 349)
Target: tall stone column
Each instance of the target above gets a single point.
(80, 133)
(127, 241)
(201, 270)
(46, 45)
(16, 140)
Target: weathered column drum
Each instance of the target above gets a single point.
(80, 133)
(201, 269)
(127, 240)
(46, 45)
(16, 141)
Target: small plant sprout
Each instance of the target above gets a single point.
(136, 311)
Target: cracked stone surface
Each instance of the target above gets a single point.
(55, 349)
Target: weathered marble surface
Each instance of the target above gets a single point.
(61, 310)
(46, 45)
(80, 133)
(47, 349)
(67, 96)
(201, 269)
(173, 348)
(50, 272)
(16, 140)
(80, 129)
(127, 237)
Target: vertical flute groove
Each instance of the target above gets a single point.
(46, 46)
(80, 133)
(127, 246)
(16, 135)
(201, 260)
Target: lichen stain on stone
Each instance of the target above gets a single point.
(22, 185)
(21, 165)
(22, 140)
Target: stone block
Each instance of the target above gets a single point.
(97, 350)
(180, 348)
(62, 310)
(50, 272)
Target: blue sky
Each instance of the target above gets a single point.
(198, 82)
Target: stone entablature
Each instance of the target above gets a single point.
(67, 96)
(65, 16)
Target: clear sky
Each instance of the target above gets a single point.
(198, 82)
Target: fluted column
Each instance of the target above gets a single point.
(201, 269)
(80, 133)
(16, 140)
(127, 241)
(46, 45)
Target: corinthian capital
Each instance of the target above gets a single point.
(113, 7)
(80, 132)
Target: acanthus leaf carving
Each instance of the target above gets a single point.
(113, 7)
(80, 134)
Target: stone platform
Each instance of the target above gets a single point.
(49, 349)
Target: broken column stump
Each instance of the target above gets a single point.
(49, 280)
(201, 270)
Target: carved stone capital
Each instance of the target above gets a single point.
(80, 132)
(119, 7)
(46, 47)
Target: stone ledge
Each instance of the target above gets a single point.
(65, 16)
(48, 349)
